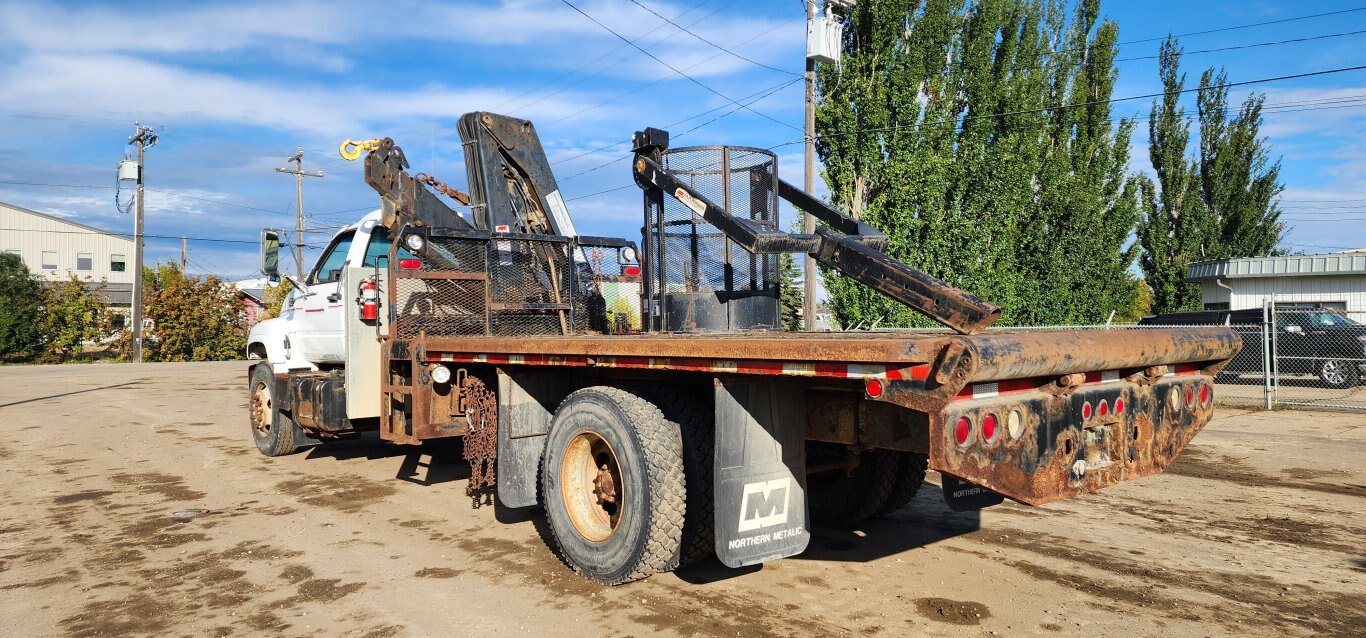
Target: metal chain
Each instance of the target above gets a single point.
(481, 444)
(441, 187)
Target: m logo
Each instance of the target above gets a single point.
(764, 504)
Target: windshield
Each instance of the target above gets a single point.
(1326, 320)
(377, 253)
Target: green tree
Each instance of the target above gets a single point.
(192, 319)
(1170, 230)
(21, 310)
(275, 300)
(73, 314)
(976, 135)
(1219, 205)
(790, 295)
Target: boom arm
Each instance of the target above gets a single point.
(845, 244)
(510, 180)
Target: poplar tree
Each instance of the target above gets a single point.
(977, 136)
(1219, 205)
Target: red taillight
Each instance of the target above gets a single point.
(1104, 408)
(1204, 395)
(989, 428)
(1086, 410)
(1119, 406)
(874, 388)
(1190, 397)
(631, 271)
(962, 432)
(410, 264)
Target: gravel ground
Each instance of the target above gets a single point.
(1256, 531)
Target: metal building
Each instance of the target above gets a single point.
(54, 248)
(1336, 281)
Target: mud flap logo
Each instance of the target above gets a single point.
(764, 504)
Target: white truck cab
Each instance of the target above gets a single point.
(309, 333)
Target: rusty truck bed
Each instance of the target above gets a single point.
(997, 355)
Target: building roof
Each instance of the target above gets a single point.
(64, 220)
(1347, 263)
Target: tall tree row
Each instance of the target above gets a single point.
(978, 137)
(1219, 204)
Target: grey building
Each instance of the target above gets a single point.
(54, 248)
(1336, 281)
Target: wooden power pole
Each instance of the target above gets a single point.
(144, 138)
(298, 172)
(809, 185)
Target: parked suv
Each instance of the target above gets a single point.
(1309, 340)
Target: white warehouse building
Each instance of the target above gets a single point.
(54, 248)
(1336, 281)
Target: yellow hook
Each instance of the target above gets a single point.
(357, 148)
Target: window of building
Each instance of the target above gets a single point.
(14, 251)
(85, 261)
(117, 263)
(1217, 305)
(49, 260)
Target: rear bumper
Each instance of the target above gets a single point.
(1063, 445)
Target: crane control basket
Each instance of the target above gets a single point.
(703, 281)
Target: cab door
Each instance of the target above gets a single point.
(318, 322)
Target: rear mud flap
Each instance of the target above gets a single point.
(760, 476)
(962, 496)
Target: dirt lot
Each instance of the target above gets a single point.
(1258, 530)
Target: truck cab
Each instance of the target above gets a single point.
(308, 334)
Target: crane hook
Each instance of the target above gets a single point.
(357, 148)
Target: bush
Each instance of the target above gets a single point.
(192, 319)
(21, 311)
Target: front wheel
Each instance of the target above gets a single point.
(270, 428)
(1338, 374)
(613, 486)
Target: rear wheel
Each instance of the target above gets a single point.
(1336, 373)
(911, 468)
(613, 483)
(271, 429)
(692, 413)
(849, 495)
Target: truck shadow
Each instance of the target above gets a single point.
(436, 461)
(924, 521)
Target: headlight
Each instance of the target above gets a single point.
(415, 242)
(441, 374)
(628, 255)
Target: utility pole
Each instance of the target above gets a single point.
(144, 138)
(809, 183)
(182, 254)
(299, 173)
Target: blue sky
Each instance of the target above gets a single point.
(234, 90)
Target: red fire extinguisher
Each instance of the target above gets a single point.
(368, 299)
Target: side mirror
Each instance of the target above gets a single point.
(270, 255)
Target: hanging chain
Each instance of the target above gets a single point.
(481, 444)
(441, 187)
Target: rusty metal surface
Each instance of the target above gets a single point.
(1021, 355)
(1059, 453)
(777, 346)
(481, 443)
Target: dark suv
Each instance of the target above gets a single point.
(1309, 340)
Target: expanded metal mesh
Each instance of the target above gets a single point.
(438, 307)
(708, 282)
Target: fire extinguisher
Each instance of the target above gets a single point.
(368, 299)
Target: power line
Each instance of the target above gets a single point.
(1055, 107)
(673, 68)
(1245, 26)
(619, 96)
(713, 44)
(1248, 46)
(126, 235)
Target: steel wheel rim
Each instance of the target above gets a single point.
(261, 407)
(591, 486)
(1333, 373)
